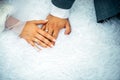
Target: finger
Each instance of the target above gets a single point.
(45, 40)
(55, 33)
(43, 44)
(46, 29)
(40, 21)
(50, 31)
(46, 35)
(43, 27)
(68, 28)
(34, 45)
(39, 42)
(38, 47)
(31, 42)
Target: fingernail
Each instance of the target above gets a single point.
(52, 45)
(48, 46)
(54, 40)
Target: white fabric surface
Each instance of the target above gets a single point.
(90, 52)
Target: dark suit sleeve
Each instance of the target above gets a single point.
(64, 4)
(105, 9)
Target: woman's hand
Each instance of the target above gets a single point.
(33, 34)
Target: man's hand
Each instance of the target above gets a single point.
(55, 24)
(33, 34)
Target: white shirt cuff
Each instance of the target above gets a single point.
(59, 12)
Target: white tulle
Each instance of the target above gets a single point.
(14, 25)
(5, 10)
(90, 52)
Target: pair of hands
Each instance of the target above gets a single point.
(47, 34)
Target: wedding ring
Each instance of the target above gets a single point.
(46, 30)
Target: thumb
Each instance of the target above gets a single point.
(68, 28)
(40, 21)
